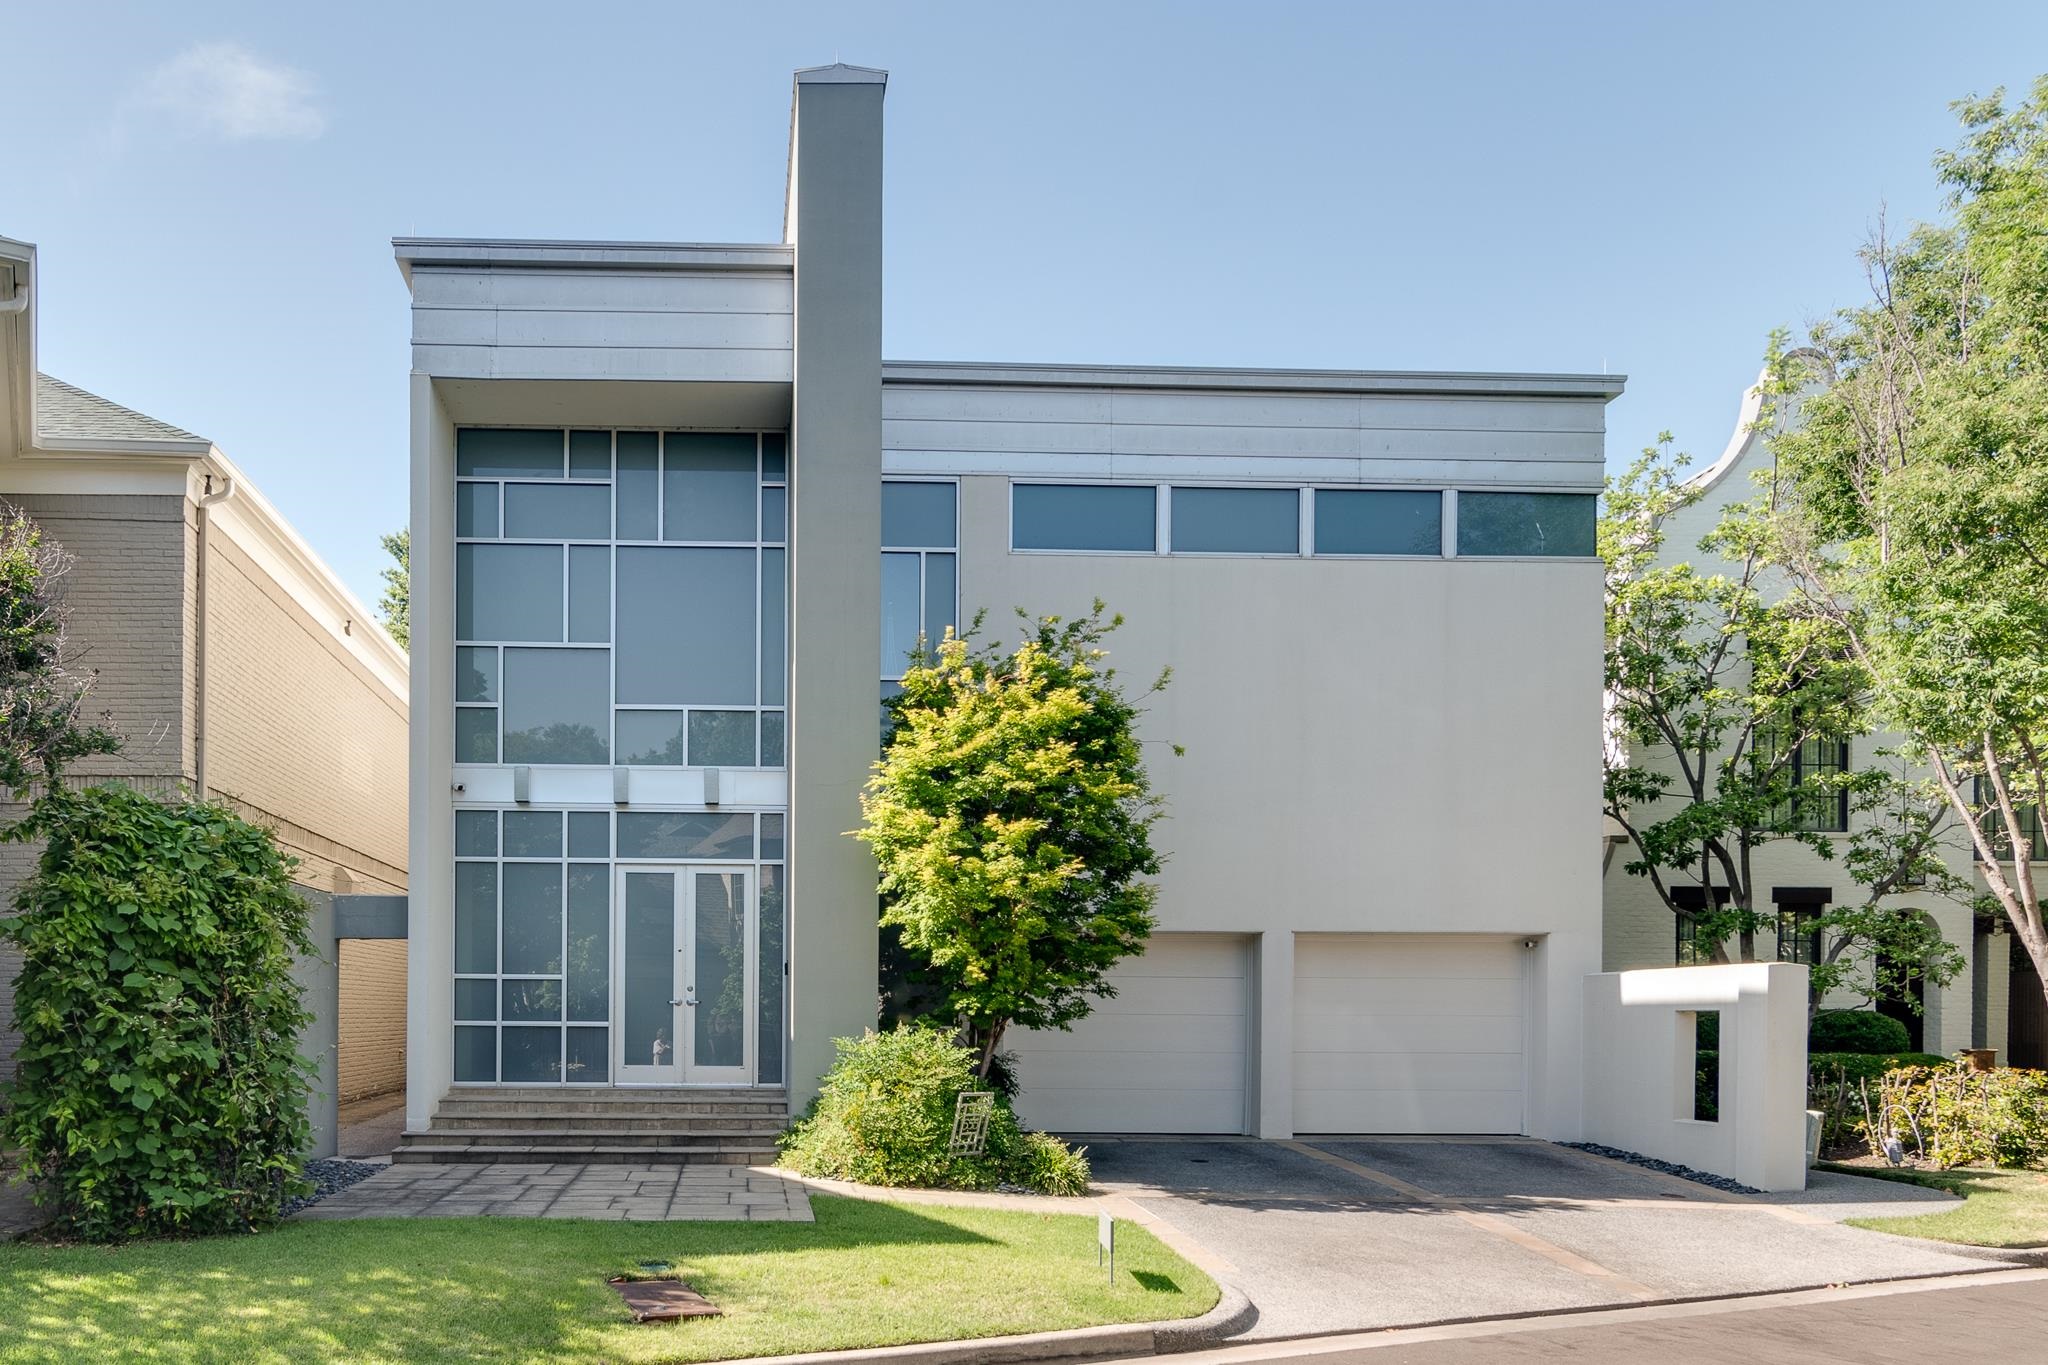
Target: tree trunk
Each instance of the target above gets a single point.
(989, 1045)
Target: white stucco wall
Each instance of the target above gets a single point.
(1373, 746)
(1639, 1075)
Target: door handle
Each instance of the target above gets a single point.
(690, 1001)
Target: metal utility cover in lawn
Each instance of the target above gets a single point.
(663, 1300)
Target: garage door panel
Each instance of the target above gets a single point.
(1408, 1034)
(1114, 1032)
(1397, 956)
(1113, 1071)
(1387, 1071)
(1338, 999)
(1138, 1111)
(1418, 1033)
(1166, 1054)
(1408, 1111)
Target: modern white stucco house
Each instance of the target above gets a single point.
(675, 524)
(1993, 1002)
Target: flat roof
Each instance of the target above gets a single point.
(524, 254)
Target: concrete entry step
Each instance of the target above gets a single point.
(622, 1094)
(608, 1137)
(542, 1121)
(558, 1154)
(455, 1107)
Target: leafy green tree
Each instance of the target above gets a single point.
(43, 723)
(159, 1087)
(1711, 691)
(1011, 820)
(1712, 687)
(1911, 495)
(395, 606)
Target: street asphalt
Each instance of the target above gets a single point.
(1348, 1235)
(2002, 1317)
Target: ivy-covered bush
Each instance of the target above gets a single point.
(1864, 1031)
(884, 1116)
(159, 1088)
(1952, 1116)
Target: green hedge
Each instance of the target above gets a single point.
(159, 1087)
(884, 1116)
(1864, 1031)
(1950, 1116)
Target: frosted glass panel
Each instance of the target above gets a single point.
(476, 834)
(708, 486)
(722, 739)
(772, 753)
(590, 454)
(1526, 524)
(647, 946)
(590, 594)
(476, 510)
(769, 1026)
(686, 626)
(508, 592)
(1052, 516)
(685, 835)
(772, 608)
(533, 918)
(489, 453)
(900, 612)
(917, 516)
(651, 738)
(557, 706)
(590, 918)
(476, 734)
(941, 591)
(533, 834)
(1357, 521)
(1236, 520)
(638, 486)
(532, 1055)
(476, 917)
(476, 674)
(557, 511)
(719, 962)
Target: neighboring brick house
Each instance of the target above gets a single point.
(232, 660)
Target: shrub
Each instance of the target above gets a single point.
(1836, 1081)
(1951, 1116)
(884, 1116)
(159, 1088)
(1864, 1031)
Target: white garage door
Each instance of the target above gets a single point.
(1167, 1055)
(1398, 1033)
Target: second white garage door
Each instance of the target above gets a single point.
(1399, 1033)
(1167, 1055)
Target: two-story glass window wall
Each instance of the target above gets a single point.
(620, 597)
(576, 930)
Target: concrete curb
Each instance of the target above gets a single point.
(1232, 1314)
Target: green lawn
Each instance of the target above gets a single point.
(500, 1289)
(2000, 1208)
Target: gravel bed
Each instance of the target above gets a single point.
(1650, 1163)
(329, 1176)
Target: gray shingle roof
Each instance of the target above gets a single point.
(67, 411)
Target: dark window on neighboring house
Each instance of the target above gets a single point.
(1994, 824)
(1824, 810)
(1799, 912)
(1688, 947)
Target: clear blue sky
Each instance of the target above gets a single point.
(1641, 188)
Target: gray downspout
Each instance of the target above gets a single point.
(201, 520)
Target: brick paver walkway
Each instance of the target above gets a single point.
(640, 1194)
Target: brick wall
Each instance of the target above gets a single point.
(372, 1032)
(127, 593)
(300, 732)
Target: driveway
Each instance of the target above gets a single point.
(1334, 1235)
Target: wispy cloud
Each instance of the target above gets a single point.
(225, 90)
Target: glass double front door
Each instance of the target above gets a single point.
(685, 993)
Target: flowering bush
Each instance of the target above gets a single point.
(1951, 1116)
